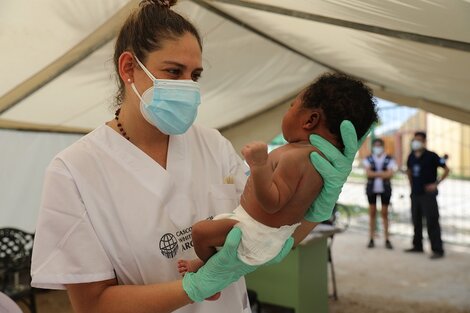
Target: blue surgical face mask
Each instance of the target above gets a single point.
(170, 105)
(416, 145)
(377, 150)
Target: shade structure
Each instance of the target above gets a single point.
(257, 56)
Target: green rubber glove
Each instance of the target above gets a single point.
(224, 268)
(335, 172)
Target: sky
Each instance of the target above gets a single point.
(392, 116)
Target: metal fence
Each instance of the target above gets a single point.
(453, 199)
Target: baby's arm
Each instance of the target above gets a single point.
(273, 188)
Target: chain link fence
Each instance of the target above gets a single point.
(448, 139)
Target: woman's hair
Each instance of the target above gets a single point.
(144, 31)
(342, 98)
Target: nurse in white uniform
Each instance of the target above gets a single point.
(118, 205)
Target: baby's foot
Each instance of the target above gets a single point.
(185, 266)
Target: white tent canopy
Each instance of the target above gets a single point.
(57, 69)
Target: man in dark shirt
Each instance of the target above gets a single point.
(422, 173)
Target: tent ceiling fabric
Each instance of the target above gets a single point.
(99, 37)
(260, 74)
(38, 32)
(410, 17)
(245, 73)
(428, 73)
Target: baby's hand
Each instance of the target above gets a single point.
(255, 153)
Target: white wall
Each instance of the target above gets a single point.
(24, 157)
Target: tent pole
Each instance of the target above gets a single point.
(33, 127)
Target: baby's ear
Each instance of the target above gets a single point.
(313, 120)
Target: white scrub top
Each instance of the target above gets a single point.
(109, 210)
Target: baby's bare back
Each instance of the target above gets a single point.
(291, 160)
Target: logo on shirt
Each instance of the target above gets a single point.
(416, 170)
(169, 245)
(169, 242)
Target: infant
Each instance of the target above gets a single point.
(283, 184)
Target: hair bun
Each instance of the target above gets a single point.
(160, 3)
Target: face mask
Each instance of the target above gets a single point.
(377, 150)
(416, 145)
(170, 105)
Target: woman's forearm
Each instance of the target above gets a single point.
(388, 174)
(370, 173)
(107, 298)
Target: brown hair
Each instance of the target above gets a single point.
(144, 31)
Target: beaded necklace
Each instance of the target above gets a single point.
(119, 125)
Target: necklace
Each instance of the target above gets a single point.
(119, 125)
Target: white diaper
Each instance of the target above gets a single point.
(260, 243)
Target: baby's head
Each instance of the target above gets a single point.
(328, 101)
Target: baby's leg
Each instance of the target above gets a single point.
(209, 234)
(185, 266)
(206, 236)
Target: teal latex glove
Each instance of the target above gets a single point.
(224, 268)
(335, 172)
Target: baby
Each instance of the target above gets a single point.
(283, 184)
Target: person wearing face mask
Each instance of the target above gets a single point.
(422, 167)
(379, 170)
(118, 205)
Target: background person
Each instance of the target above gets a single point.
(379, 169)
(118, 205)
(422, 174)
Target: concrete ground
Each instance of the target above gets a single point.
(375, 280)
(381, 280)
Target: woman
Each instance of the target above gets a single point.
(118, 204)
(379, 170)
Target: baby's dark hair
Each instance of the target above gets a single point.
(342, 98)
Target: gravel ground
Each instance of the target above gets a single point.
(381, 280)
(360, 303)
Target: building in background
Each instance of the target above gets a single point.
(445, 137)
